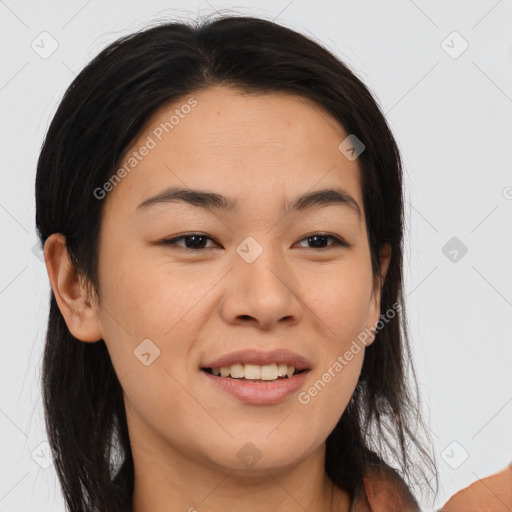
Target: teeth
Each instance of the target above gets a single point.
(255, 371)
(237, 371)
(269, 372)
(252, 371)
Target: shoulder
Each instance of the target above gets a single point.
(383, 490)
(493, 493)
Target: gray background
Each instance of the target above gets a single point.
(451, 114)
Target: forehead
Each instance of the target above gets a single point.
(238, 144)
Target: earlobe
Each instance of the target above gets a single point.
(80, 312)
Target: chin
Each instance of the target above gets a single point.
(258, 458)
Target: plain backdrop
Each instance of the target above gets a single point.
(442, 74)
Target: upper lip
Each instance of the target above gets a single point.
(251, 356)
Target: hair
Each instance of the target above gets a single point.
(103, 110)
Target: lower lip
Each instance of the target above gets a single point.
(264, 393)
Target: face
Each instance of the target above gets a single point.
(185, 282)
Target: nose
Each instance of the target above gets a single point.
(264, 292)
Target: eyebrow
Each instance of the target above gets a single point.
(210, 200)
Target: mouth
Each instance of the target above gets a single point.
(256, 377)
(254, 384)
(255, 373)
(254, 364)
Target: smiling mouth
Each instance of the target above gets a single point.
(218, 373)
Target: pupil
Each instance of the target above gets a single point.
(196, 238)
(315, 238)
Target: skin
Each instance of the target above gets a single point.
(197, 306)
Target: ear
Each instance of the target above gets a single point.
(80, 312)
(374, 308)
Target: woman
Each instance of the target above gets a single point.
(221, 212)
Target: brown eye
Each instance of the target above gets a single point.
(194, 241)
(318, 241)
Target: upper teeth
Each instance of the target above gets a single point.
(255, 371)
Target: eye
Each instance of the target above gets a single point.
(318, 239)
(193, 241)
(197, 241)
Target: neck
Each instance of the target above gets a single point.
(168, 480)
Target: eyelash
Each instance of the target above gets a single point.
(172, 241)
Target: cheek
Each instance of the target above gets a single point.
(149, 296)
(148, 322)
(322, 403)
(340, 298)
(152, 314)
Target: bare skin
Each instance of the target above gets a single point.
(197, 304)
